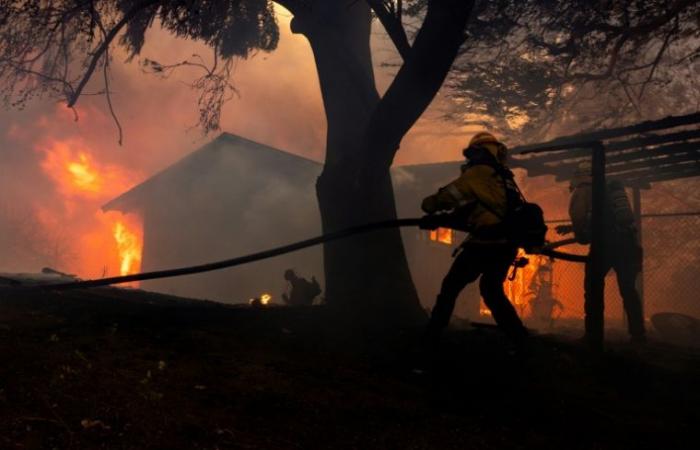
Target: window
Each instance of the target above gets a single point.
(442, 235)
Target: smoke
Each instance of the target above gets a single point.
(279, 104)
(50, 215)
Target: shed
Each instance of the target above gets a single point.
(234, 196)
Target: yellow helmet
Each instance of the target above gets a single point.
(482, 138)
(581, 176)
(489, 142)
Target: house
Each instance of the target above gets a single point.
(234, 196)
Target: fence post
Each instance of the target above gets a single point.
(595, 300)
(637, 204)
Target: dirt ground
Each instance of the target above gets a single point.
(120, 369)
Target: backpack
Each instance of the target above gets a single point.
(619, 209)
(524, 221)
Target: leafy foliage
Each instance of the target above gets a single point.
(51, 48)
(527, 67)
(530, 65)
(233, 27)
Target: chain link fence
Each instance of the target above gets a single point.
(549, 294)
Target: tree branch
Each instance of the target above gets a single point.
(419, 79)
(393, 25)
(109, 37)
(657, 59)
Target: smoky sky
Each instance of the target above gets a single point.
(278, 104)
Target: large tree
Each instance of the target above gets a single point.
(54, 48)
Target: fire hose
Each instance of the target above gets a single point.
(548, 250)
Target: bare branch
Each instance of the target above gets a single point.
(215, 85)
(392, 23)
(656, 61)
(107, 41)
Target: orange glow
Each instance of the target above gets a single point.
(442, 235)
(263, 300)
(483, 310)
(520, 290)
(129, 246)
(106, 244)
(72, 166)
(84, 176)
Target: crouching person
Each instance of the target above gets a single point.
(481, 197)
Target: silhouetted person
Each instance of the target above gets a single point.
(479, 196)
(621, 250)
(300, 291)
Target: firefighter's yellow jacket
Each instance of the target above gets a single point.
(478, 185)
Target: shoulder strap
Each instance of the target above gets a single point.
(498, 172)
(491, 210)
(505, 174)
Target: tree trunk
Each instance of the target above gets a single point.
(367, 277)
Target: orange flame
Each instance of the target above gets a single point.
(518, 290)
(129, 248)
(103, 241)
(263, 300)
(442, 235)
(84, 176)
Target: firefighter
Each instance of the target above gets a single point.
(621, 251)
(300, 291)
(479, 197)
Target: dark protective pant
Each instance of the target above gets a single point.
(492, 262)
(625, 258)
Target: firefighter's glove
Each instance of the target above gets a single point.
(521, 262)
(429, 205)
(431, 222)
(564, 229)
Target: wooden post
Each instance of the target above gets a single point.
(637, 205)
(595, 300)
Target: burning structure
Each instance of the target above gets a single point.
(230, 197)
(234, 196)
(109, 244)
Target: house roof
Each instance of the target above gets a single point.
(199, 162)
(186, 171)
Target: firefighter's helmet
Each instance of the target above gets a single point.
(583, 169)
(488, 141)
(482, 138)
(581, 176)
